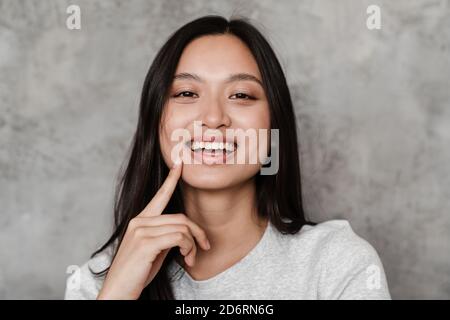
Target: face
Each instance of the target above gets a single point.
(215, 110)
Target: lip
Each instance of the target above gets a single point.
(210, 158)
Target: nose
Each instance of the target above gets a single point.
(214, 114)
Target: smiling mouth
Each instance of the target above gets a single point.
(212, 147)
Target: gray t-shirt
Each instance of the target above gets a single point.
(326, 261)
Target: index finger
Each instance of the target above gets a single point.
(156, 206)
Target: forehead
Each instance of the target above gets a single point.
(217, 56)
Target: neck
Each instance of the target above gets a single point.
(229, 218)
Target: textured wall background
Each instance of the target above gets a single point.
(372, 106)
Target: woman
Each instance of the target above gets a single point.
(211, 229)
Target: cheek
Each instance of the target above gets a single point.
(175, 123)
(258, 122)
(264, 123)
(171, 123)
(165, 143)
(258, 117)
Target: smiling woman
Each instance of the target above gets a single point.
(213, 230)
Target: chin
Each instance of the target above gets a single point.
(216, 177)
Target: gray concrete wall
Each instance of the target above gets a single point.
(372, 107)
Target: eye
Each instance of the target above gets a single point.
(185, 94)
(243, 96)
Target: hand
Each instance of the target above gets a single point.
(147, 240)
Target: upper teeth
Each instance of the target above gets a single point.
(212, 145)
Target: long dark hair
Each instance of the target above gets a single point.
(279, 196)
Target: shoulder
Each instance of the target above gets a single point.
(336, 237)
(348, 265)
(331, 235)
(83, 283)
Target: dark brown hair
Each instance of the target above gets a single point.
(279, 196)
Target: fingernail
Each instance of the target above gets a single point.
(208, 245)
(176, 163)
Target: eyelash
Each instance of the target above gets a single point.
(247, 96)
(180, 94)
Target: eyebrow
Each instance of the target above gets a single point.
(231, 78)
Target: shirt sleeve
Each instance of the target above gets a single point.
(352, 269)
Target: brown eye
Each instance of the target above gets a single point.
(242, 96)
(185, 94)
